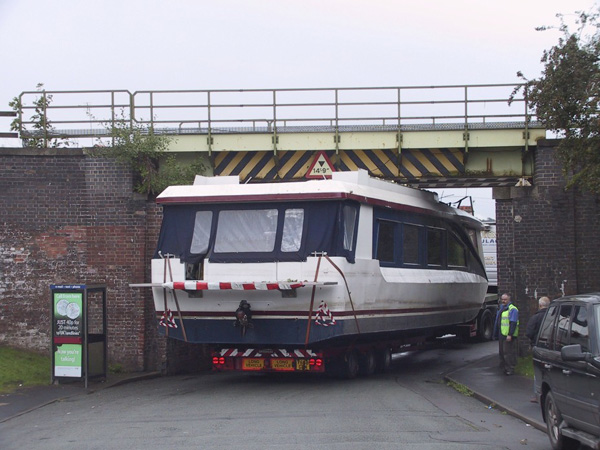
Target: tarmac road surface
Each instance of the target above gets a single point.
(410, 407)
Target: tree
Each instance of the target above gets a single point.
(144, 150)
(565, 99)
(42, 128)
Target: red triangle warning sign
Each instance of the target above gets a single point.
(321, 167)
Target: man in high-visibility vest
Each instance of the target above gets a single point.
(507, 330)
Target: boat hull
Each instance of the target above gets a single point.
(367, 303)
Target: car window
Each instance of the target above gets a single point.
(579, 328)
(547, 328)
(562, 327)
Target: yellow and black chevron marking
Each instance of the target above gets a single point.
(442, 162)
(386, 163)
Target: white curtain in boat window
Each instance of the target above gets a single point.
(201, 235)
(246, 231)
(349, 225)
(293, 225)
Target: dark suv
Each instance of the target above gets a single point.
(566, 360)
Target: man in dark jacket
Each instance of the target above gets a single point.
(533, 326)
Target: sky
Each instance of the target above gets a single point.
(251, 44)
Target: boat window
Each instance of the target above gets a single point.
(435, 244)
(385, 241)
(456, 252)
(410, 244)
(201, 236)
(473, 236)
(246, 231)
(349, 226)
(293, 225)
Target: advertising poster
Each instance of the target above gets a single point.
(68, 334)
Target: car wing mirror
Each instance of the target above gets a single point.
(573, 353)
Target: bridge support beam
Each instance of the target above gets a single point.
(548, 238)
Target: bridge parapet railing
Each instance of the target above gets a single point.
(93, 113)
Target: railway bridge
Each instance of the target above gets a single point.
(429, 137)
(432, 136)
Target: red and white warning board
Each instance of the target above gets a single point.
(320, 167)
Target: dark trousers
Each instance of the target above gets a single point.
(507, 351)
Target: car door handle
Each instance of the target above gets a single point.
(566, 372)
(548, 366)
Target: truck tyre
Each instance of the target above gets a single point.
(366, 362)
(485, 326)
(384, 360)
(553, 421)
(350, 365)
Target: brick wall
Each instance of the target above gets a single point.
(68, 218)
(548, 237)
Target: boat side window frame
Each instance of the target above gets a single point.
(453, 239)
(392, 246)
(440, 237)
(420, 229)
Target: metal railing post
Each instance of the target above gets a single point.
(131, 110)
(399, 131)
(209, 124)
(44, 118)
(152, 110)
(275, 123)
(466, 131)
(337, 129)
(112, 117)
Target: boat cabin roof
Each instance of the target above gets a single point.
(358, 186)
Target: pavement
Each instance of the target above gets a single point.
(483, 378)
(489, 385)
(28, 399)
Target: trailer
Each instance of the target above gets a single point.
(330, 275)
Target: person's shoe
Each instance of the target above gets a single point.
(533, 399)
(507, 373)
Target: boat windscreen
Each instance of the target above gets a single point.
(258, 232)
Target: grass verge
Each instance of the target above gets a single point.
(525, 366)
(460, 388)
(21, 368)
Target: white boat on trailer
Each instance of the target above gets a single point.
(299, 275)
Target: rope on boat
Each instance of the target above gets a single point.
(165, 291)
(312, 302)
(347, 290)
(327, 312)
(177, 303)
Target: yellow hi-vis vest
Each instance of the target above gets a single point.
(504, 322)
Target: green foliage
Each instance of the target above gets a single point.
(144, 151)
(42, 129)
(460, 388)
(565, 98)
(116, 368)
(524, 366)
(20, 368)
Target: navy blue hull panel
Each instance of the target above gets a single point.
(282, 332)
(292, 332)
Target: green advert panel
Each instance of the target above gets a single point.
(68, 333)
(67, 360)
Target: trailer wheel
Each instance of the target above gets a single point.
(367, 363)
(485, 328)
(384, 360)
(350, 365)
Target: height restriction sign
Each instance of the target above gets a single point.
(321, 167)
